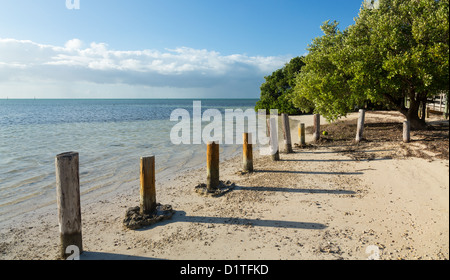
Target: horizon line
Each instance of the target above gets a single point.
(99, 98)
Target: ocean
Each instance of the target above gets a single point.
(110, 136)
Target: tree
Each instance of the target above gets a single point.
(323, 80)
(276, 90)
(396, 49)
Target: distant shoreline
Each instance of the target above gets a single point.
(5, 98)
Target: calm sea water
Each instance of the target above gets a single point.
(109, 135)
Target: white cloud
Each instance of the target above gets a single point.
(23, 60)
(74, 44)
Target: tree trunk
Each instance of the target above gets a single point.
(424, 110)
(412, 115)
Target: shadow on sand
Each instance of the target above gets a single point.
(308, 172)
(90, 256)
(294, 190)
(181, 217)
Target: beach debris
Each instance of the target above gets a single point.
(330, 248)
(135, 220)
(311, 146)
(221, 189)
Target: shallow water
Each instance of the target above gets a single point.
(109, 135)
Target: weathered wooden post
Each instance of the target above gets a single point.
(406, 132)
(360, 126)
(68, 200)
(148, 189)
(316, 135)
(148, 212)
(301, 134)
(212, 166)
(420, 110)
(273, 133)
(287, 133)
(446, 108)
(247, 153)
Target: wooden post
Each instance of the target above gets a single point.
(316, 135)
(273, 134)
(446, 108)
(148, 189)
(247, 153)
(68, 200)
(287, 133)
(427, 113)
(212, 166)
(406, 132)
(301, 134)
(360, 126)
(423, 114)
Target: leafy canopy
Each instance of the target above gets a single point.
(395, 49)
(276, 90)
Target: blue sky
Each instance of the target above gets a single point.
(154, 48)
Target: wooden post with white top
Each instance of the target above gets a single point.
(273, 134)
(406, 132)
(287, 133)
(360, 126)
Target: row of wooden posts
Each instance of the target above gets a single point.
(68, 181)
(68, 198)
(359, 128)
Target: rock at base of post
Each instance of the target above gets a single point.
(222, 188)
(135, 220)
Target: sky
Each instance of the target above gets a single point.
(155, 48)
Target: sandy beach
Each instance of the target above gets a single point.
(320, 202)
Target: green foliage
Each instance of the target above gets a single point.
(277, 89)
(324, 79)
(395, 49)
(403, 50)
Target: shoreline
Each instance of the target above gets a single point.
(314, 204)
(41, 204)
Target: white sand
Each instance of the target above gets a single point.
(313, 204)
